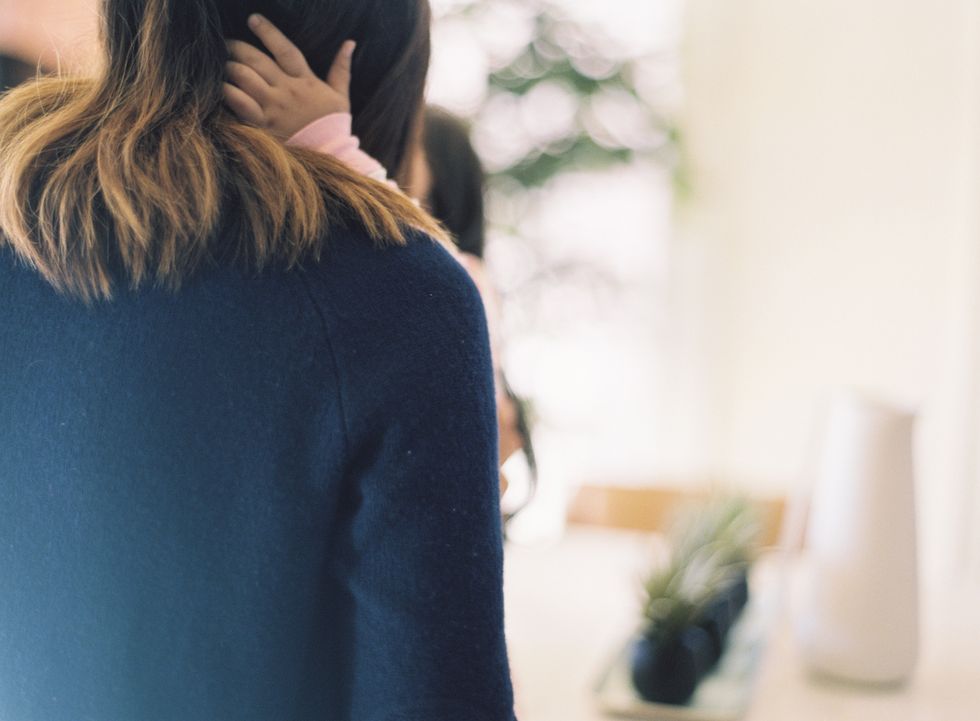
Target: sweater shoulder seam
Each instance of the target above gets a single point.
(334, 363)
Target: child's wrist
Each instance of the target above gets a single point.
(321, 131)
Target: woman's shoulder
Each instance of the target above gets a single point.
(420, 259)
(404, 324)
(419, 282)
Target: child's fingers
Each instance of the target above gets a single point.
(288, 56)
(256, 59)
(249, 81)
(242, 105)
(340, 72)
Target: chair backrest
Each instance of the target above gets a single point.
(652, 508)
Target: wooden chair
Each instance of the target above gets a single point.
(652, 508)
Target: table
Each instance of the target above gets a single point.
(571, 605)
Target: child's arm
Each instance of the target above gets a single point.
(332, 135)
(282, 95)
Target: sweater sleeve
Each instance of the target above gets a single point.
(332, 135)
(421, 552)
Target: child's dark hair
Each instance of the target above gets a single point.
(456, 196)
(389, 68)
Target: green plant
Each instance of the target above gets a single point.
(726, 528)
(676, 595)
(711, 546)
(566, 56)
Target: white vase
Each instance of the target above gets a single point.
(858, 611)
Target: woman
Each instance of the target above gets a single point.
(246, 406)
(274, 87)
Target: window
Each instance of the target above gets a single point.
(570, 104)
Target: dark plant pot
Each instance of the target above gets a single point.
(721, 614)
(701, 646)
(714, 632)
(738, 592)
(669, 672)
(717, 620)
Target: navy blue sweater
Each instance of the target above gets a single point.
(263, 497)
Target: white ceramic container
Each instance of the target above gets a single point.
(857, 613)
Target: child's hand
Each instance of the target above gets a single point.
(281, 93)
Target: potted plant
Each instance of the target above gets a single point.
(692, 603)
(673, 653)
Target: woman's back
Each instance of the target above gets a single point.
(264, 496)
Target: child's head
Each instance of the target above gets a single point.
(452, 186)
(182, 41)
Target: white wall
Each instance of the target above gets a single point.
(830, 237)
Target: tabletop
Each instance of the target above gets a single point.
(572, 604)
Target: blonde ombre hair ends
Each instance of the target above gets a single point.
(135, 172)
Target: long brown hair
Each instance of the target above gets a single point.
(139, 168)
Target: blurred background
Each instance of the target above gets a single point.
(708, 215)
(705, 218)
(573, 111)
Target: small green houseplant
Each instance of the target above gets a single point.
(691, 604)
